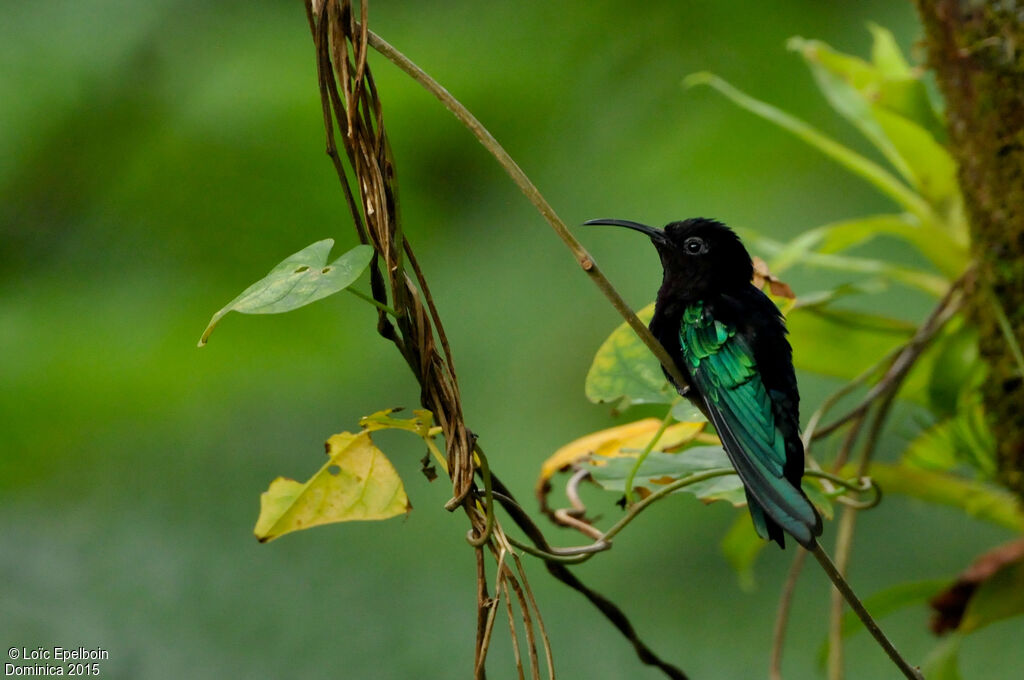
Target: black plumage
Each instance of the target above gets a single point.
(729, 340)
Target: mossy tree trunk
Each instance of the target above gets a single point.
(977, 51)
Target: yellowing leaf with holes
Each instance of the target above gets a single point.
(421, 423)
(357, 483)
(298, 280)
(623, 440)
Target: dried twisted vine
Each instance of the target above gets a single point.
(351, 107)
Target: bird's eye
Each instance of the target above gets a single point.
(695, 246)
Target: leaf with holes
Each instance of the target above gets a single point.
(357, 483)
(614, 442)
(625, 371)
(300, 279)
(660, 469)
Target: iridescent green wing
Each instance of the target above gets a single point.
(724, 371)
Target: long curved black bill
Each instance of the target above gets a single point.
(657, 235)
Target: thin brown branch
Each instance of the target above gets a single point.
(513, 634)
(837, 579)
(905, 360)
(549, 658)
(482, 609)
(583, 258)
(782, 614)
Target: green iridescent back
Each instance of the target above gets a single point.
(725, 373)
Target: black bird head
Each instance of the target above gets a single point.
(699, 255)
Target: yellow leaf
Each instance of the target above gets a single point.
(358, 482)
(624, 440)
(421, 422)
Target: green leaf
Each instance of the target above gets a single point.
(624, 370)
(932, 170)
(841, 343)
(963, 439)
(622, 440)
(943, 661)
(835, 73)
(888, 81)
(661, 468)
(851, 160)
(886, 55)
(979, 500)
(963, 436)
(908, 276)
(298, 280)
(420, 424)
(741, 545)
(885, 108)
(819, 299)
(935, 244)
(997, 598)
(357, 482)
(817, 496)
(885, 602)
(685, 412)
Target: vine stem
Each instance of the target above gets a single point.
(782, 615)
(643, 455)
(583, 258)
(843, 587)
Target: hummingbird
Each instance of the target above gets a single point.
(728, 339)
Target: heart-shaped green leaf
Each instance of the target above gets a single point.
(300, 279)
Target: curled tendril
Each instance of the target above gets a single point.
(858, 486)
(485, 474)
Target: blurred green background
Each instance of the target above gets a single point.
(156, 158)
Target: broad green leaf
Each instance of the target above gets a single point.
(841, 343)
(622, 440)
(851, 160)
(943, 661)
(660, 469)
(885, 602)
(298, 280)
(685, 412)
(979, 500)
(741, 545)
(358, 482)
(624, 370)
(999, 597)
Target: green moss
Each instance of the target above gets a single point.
(974, 50)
